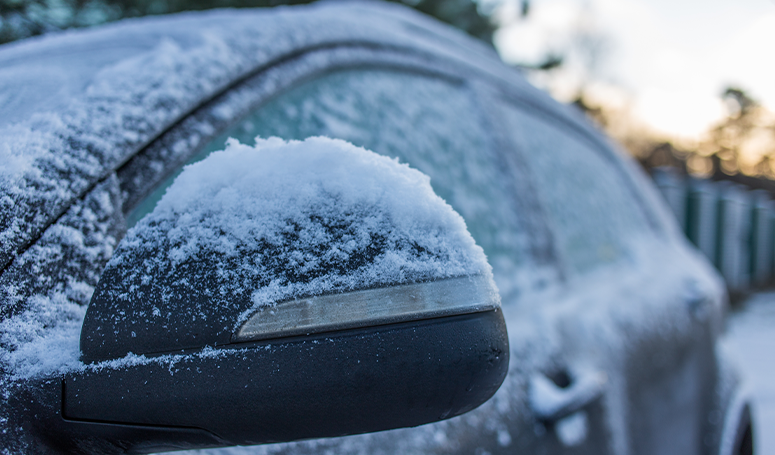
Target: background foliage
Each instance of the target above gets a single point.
(24, 18)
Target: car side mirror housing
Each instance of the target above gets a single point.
(283, 292)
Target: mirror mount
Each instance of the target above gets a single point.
(330, 384)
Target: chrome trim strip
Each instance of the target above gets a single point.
(407, 302)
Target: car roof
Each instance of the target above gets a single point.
(78, 104)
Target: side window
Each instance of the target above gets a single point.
(430, 123)
(589, 206)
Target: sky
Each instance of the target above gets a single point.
(669, 61)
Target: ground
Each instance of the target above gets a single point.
(751, 339)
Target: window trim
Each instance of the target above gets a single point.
(608, 155)
(597, 142)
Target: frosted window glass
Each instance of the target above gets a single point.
(589, 206)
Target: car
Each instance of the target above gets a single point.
(612, 317)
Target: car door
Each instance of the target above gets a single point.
(638, 305)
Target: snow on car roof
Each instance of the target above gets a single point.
(78, 104)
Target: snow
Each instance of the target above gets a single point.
(298, 218)
(46, 290)
(43, 340)
(572, 430)
(750, 340)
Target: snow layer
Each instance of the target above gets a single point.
(249, 227)
(750, 341)
(302, 218)
(46, 290)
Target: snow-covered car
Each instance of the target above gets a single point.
(140, 345)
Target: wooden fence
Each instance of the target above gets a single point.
(731, 224)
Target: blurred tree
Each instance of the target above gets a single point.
(567, 53)
(740, 147)
(743, 142)
(664, 154)
(24, 18)
(463, 14)
(738, 102)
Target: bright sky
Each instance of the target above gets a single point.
(673, 58)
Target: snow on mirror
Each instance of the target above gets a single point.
(285, 238)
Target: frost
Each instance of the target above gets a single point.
(46, 290)
(43, 340)
(572, 430)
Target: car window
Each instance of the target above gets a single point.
(428, 122)
(588, 204)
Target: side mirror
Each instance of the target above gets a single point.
(288, 291)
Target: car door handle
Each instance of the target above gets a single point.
(551, 402)
(697, 300)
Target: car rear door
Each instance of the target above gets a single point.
(637, 305)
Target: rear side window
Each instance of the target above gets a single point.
(590, 208)
(428, 122)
